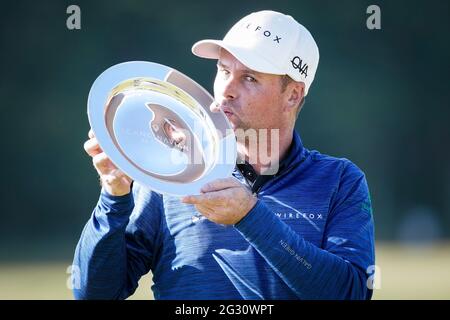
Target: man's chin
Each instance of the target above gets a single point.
(237, 125)
(234, 125)
(240, 129)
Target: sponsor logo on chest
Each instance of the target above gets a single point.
(299, 215)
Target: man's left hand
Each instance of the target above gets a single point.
(223, 201)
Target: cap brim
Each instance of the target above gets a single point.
(210, 49)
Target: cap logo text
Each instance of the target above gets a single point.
(298, 64)
(266, 33)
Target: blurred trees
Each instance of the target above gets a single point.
(380, 98)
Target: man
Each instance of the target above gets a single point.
(302, 231)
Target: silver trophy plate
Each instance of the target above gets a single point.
(155, 125)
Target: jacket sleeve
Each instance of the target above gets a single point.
(337, 270)
(116, 246)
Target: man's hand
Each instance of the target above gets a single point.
(113, 180)
(223, 201)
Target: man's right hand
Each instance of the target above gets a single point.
(113, 180)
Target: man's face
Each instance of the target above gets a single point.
(249, 99)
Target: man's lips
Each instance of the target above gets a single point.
(226, 110)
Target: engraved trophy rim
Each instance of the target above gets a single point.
(155, 124)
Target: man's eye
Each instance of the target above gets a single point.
(250, 79)
(223, 71)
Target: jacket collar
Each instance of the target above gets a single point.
(294, 156)
(295, 153)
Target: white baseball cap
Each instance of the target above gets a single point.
(268, 42)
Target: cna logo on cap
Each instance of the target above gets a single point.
(259, 30)
(298, 64)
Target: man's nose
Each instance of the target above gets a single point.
(229, 91)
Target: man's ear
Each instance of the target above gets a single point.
(295, 93)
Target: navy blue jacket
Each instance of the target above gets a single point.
(310, 236)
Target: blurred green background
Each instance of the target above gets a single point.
(380, 98)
